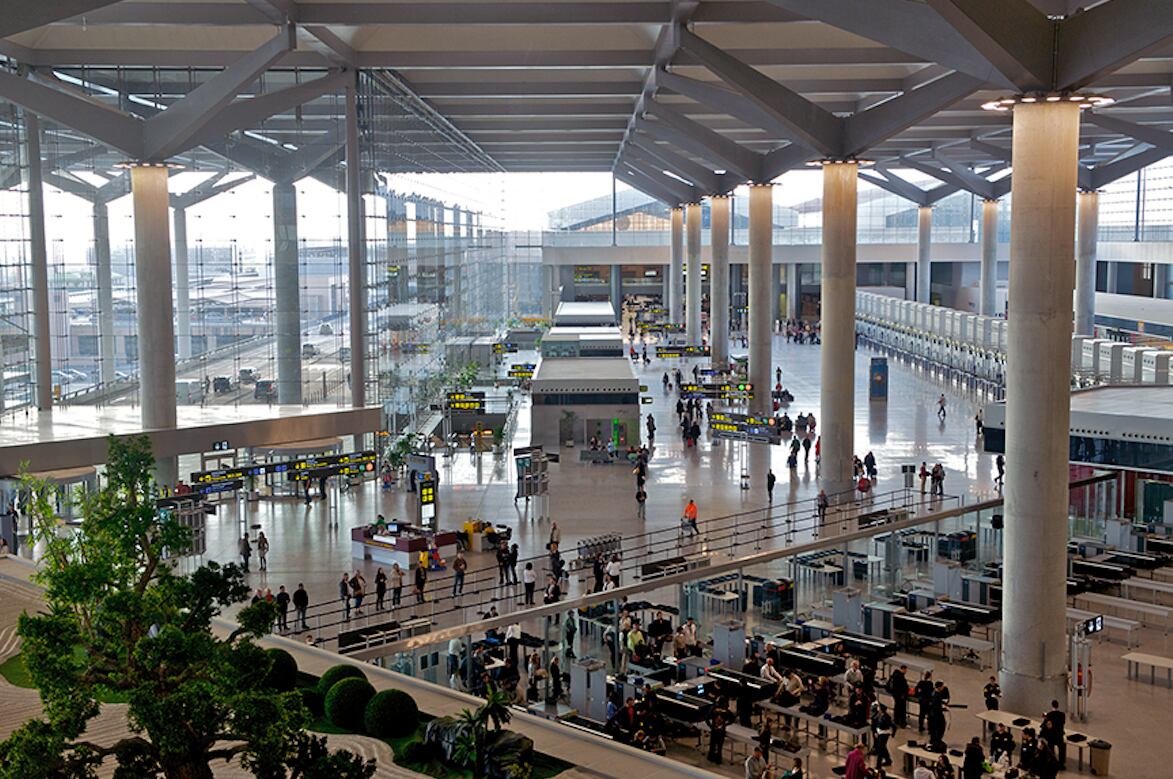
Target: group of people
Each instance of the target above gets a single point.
(352, 588)
(935, 477)
(801, 332)
(690, 414)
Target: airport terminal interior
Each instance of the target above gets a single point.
(677, 388)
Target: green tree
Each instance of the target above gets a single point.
(121, 619)
(470, 748)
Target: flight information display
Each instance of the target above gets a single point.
(744, 427)
(690, 350)
(723, 391)
(469, 402)
(350, 464)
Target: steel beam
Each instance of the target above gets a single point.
(24, 15)
(907, 26)
(702, 177)
(1012, 35)
(675, 127)
(100, 122)
(638, 181)
(881, 122)
(804, 121)
(175, 129)
(244, 114)
(1153, 136)
(1100, 39)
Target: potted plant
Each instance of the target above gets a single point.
(566, 428)
(250, 488)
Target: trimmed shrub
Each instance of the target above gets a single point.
(312, 698)
(282, 675)
(391, 714)
(336, 674)
(347, 701)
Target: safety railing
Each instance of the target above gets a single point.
(728, 536)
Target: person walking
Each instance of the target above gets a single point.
(641, 499)
(979, 427)
(806, 449)
(263, 550)
(246, 550)
(756, 766)
(857, 764)
(513, 554)
(941, 407)
(770, 479)
(396, 584)
(459, 566)
(898, 689)
(555, 538)
(301, 603)
(1058, 721)
(1000, 464)
(282, 600)
(690, 514)
(613, 569)
(421, 582)
(358, 586)
(821, 504)
(924, 476)
(344, 593)
(973, 764)
(502, 555)
(529, 578)
(882, 729)
(924, 698)
(380, 589)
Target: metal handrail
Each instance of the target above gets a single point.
(713, 570)
(720, 534)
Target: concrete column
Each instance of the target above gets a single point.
(357, 254)
(674, 282)
(182, 287)
(287, 291)
(156, 315)
(105, 282)
(924, 253)
(1042, 237)
(988, 284)
(692, 304)
(42, 337)
(1160, 281)
(792, 290)
(775, 295)
(761, 264)
(1110, 278)
(616, 281)
(719, 281)
(1085, 262)
(837, 391)
(910, 281)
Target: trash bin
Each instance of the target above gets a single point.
(1101, 751)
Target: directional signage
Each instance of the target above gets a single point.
(352, 463)
(522, 370)
(724, 391)
(744, 427)
(682, 351)
(468, 402)
(504, 347)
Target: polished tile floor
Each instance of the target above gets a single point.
(311, 544)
